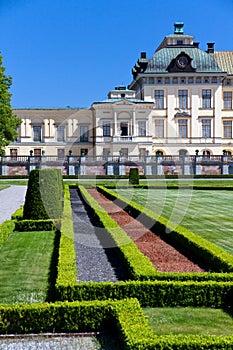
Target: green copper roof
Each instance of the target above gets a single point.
(201, 60)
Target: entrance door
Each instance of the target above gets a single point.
(37, 153)
(124, 129)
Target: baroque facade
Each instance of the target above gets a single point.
(178, 104)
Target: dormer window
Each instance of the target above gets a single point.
(122, 95)
(179, 42)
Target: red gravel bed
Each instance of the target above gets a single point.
(164, 257)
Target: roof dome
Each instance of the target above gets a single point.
(201, 60)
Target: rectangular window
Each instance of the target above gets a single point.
(183, 99)
(106, 153)
(141, 128)
(227, 100)
(183, 128)
(159, 128)
(206, 98)
(159, 99)
(206, 128)
(142, 153)
(61, 133)
(84, 133)
(106, 129)
(60, 153)
(37, 133)
(227, 129)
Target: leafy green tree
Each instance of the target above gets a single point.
(8, 121)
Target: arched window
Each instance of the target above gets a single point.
(159, 153)
(227, 153)
(206, 153)
(183, 152)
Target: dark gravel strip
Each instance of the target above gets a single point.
(96, 261)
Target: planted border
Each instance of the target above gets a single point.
(135, 262)
(66, 271)
(139, 266)
(6, 228)
(149, 293)
(125, 317)
(209, 253)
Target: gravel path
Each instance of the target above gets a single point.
(11, 199)
(96, 260)
(54, 343)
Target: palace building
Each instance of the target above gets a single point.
(178, 104)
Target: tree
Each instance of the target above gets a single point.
(8, 121)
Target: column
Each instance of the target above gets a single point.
(115, 124)
(133, 124)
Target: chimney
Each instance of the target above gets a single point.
(179, 28)
(143, 54)
(210, 47)
(196, 44)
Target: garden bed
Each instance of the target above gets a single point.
(165, 257)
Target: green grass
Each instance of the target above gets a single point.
(195, 321)
(205, 212)
(13, 182)
(2, 187)
(25, 266)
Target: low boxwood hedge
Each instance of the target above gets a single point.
(125, 317)
(35, 225)
(153, 293)
(66, 270)
(6, 228)
(18, 214)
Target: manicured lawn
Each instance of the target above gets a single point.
(205, 212)
(196, 321)
(13, 182)
(24, 266)
(2, 187)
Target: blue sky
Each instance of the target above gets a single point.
(71, 53)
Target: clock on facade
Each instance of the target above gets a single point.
(182, 62)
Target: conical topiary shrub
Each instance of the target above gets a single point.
(134, 176)
(44, 197)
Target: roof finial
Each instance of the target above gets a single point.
(178, 28)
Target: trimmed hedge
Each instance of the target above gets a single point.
(124, 316)
(18, 214)
(35, 225)
(133, 176)
(153, 293)
(211, 255)
(6, 228)
(44, 197)
(55, 317)
(66, 271)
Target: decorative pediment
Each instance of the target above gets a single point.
(124, 103)
(182, 113)
(182, 63)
